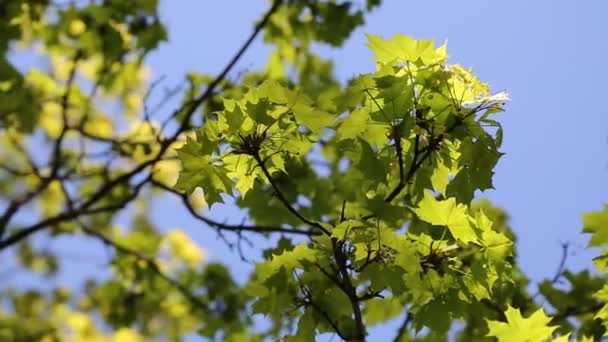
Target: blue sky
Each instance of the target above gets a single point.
(550, 55)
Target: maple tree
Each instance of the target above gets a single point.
(365, 190)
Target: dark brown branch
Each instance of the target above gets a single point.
(368, 260)
(417, 163)
(308, 301)
(65, 103)
(403, 180)
(371, 295)
(16, 204)
(414, 166)
(562, 263)
(577, 311)
(403, 326)
(560, 268)
(150, 263)
(495, 308)
(70, 215)
(327, 318)
(396, 137)
(349, 290)
(425, 152)
(284, 200)
(332, 278)
(229, 227)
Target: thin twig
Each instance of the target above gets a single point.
(495, 308)
(69, 215)
(577, 311)
(229, 227)
(65, 104)
(284, 200)
(309, 301)
(332, 278)
(371, 295)
(409, 317)
(560, 268)
(16, 204)
(191, 108)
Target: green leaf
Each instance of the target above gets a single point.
(274, 92)
(314, 119)
(440, 178)
(518, 328)
(370, 165)
(336, 23)
(342, 230)
(18, 102)
(596, 224)
(243, 169)
(402, 48)
(202, 170)
(447, 213)
(439, 314)
(259, 112)
(382, 310)
(399, 48)
(306, 328)
(353, 125)
(602, 295)
(233, 115)
(477, 163)
(288, 260)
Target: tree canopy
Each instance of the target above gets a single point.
(367, 191)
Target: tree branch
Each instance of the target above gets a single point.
(371, 295)
(229, 227)
(424, 153)
(409, 317)
(560, 268)
(576, 311)
(65, 103)
(284, 200)
(402, 182)
(70, 215)
(496, 308)
(192, 106)
(332, 278)
(55, 161)
(308, 301)
(349, 289)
